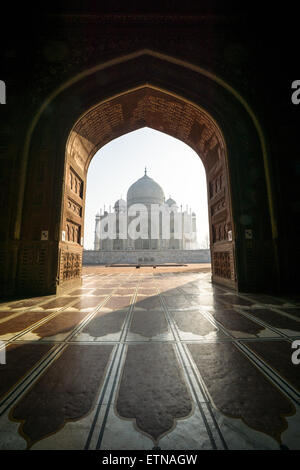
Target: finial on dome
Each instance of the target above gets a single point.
(145, 171)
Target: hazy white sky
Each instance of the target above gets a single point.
(170, 162)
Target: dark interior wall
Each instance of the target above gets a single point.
(40, 52)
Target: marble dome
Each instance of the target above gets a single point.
(145, 191)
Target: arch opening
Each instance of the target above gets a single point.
(155, 108)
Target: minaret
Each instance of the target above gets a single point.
(97, 235)
(194, 225)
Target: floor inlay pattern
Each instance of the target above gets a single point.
(156, 399)
(137, 359)
(64, 392)
(238, 389)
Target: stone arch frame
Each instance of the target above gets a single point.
(52, 265)
(150, 106)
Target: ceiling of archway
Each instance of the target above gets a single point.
(146, 106)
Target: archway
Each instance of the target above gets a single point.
(155, 108)
(146, 89)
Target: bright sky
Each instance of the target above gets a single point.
(170, 162)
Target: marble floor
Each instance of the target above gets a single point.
(149, 358)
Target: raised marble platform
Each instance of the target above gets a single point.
(145, 256)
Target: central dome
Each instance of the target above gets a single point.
(145, 191)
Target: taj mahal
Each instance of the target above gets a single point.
(146, 193)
